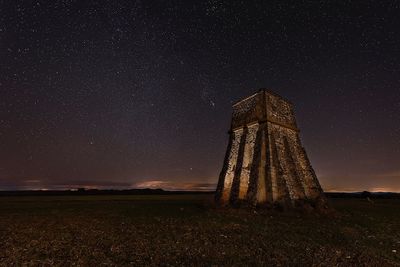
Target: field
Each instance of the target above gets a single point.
(176, 230)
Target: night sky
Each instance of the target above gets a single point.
(122, 94)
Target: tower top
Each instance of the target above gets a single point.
(265, 91)
(264, 106)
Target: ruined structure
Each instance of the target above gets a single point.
(265, 163)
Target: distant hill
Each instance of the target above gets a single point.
(148, 191)
(364, 194)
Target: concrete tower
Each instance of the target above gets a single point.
(265, 163)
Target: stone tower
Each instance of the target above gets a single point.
(265, 163)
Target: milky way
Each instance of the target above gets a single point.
(117, 94)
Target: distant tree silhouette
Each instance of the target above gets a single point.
(366, 194)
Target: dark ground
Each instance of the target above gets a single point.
(187, 230)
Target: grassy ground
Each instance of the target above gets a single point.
(188, 230)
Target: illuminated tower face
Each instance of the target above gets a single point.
(265, 162)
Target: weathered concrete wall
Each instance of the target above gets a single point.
(232, 161)
(279, 111)
(265, 161)
(247, 160)
(247, 111)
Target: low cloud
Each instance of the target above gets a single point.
(18, 183)
(46, 184)
(374, 182)
(171, 185)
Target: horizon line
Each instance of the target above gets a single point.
(165, 190)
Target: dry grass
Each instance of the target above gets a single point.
(187, 230)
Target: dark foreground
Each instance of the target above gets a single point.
(188, 230)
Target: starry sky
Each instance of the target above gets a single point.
(123, 94)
